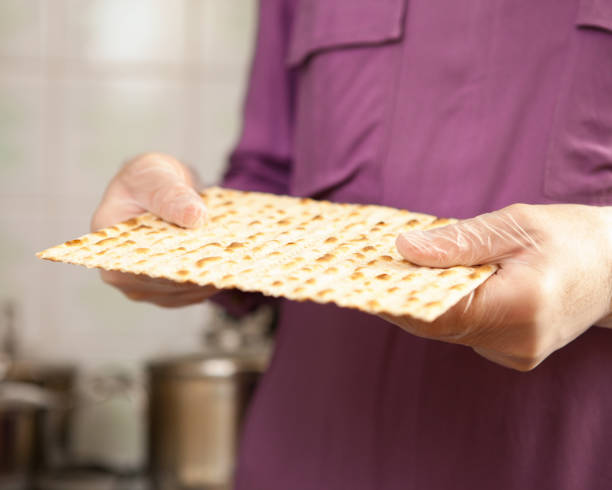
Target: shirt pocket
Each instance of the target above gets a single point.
(579, 160)
(341, 53)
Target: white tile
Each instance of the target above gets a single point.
(228, 32)
(21, 24)
(24, 279)
(221, 109)
(107, 327)
(109, 121)
(21, 135)
(124, 30)
(194, 27)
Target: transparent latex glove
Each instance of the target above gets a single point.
(159, 184)
(554, 279)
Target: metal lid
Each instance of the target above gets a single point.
(39, 372)
(209, 365)
(26, 396)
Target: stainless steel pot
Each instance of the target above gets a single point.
(17, 435)
(35, 405)
(52, 428)
(197, 404)
(21, 405)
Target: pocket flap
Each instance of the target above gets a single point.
(595, 13)
(323, 24)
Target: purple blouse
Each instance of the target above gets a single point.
(452, 108)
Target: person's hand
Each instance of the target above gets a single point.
(554, 279)
(162, 185)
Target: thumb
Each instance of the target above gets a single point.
(162, 185)
(485, 239)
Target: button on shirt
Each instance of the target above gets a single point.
(452, 108)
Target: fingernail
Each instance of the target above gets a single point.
(195, 214)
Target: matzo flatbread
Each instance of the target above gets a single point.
(301, 249)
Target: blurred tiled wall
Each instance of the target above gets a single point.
(85, 84)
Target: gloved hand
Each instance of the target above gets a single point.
(554, 279)
(162, 185)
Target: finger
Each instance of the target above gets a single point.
(162, 185)
(116, 207)
(194, 297)
(139, 281)
(498, 318)
(488, 238)
(175, 299)
(159, 291)
(133, 282)
(512, 362)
